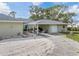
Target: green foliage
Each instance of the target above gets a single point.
(36, 12)
(54, 13)
(73, 29)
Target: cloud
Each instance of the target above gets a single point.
(4, 8)
(59, 3)
(37, 3)
(74, 8)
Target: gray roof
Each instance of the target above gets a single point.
(5, 17)
(46, 21)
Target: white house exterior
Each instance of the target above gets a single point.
(56, 29)
(52, 26)
(10, 28)
(53, 29)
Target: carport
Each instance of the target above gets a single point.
(35, 24)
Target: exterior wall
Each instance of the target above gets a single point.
(56, 28)
(65, 29)
(53, 29)
(60, 28)
(10, 28)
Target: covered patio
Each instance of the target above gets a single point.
(52, 26)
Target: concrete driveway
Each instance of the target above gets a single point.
(56, 45)
(26, 47)
(64, 46)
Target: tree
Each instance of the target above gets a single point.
(12, 14)
(56, 12)
(36, 12)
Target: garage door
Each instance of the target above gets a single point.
(52, 29)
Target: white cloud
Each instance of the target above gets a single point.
(59, 3)
(37, 3)
(4, 8)
(74, 8)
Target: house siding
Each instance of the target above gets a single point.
(60, 28)
(56, 28)
(10, 28)
(53, 29)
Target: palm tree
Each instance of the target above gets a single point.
(12, 14)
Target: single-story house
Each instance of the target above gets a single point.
(49, 25)
(10, 26)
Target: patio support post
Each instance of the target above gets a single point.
(33, 28)
(27, 28)
(65, 28)
(37, 29)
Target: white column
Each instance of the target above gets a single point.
(27, 28)
(37, 29)
(33, 28)
(65, 28)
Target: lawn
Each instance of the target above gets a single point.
(74, 37)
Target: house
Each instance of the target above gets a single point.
(10, 26)
(49, 25)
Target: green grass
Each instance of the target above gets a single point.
(74, 37)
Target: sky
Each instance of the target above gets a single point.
(22, 8)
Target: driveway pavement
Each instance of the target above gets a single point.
(50, 45)
(26, 47)
(64, 46)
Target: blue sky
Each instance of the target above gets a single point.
(22, 8)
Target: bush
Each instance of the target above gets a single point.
(73, 29)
